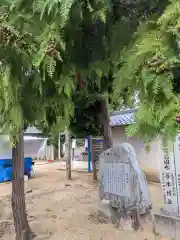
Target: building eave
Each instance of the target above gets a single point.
(122, 118)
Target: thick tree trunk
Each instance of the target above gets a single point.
(22, 228)
(105, 121)
(68, 155)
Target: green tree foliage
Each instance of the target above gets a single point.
(150, 65)
(96, 49)
(86, 120)
(59, 40)
(29, 94)
(46, 45)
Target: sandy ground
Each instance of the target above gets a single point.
(59, 211)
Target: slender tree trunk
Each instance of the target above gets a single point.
(56, 154)
(94, 170)
(22, 228)
(105, 121)
(68, 155)
(59, 147)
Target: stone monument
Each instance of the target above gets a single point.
(124, 185)
(167, 221)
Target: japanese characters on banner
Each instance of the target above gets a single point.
(177, 168)
(168, 182)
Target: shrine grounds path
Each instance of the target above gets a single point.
(61, 210)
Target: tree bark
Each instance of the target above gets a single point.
(56, 154)
(105, 122)
(22, 229)
(94, 170)
(59, 147)
(68, 155)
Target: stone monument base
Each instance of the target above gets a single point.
(167, 225)
(104, 210)
(106, 214)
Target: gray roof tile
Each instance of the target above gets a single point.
(122, 118)
(32, 130)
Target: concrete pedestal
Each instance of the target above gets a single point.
(167, 225)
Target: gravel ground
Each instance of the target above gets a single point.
(58, 209)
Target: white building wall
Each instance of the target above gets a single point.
(5, 147)
(36, 147)
(32, 147)
(148, 161)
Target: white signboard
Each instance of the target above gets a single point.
(74, 143)
(116, 179)
(168, 182)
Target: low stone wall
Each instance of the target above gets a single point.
(166, 225)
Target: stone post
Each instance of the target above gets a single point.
(167, 221)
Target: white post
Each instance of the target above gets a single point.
(168, 182)
(167, 222)
(73, 147)
(177, 168)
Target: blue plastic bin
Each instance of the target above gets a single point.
(6, 168)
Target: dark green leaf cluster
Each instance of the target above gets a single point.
(47, 46)
(151, 65)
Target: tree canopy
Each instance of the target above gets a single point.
(46, 47)
(111, 49)
(150, 65)
(29, 94)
